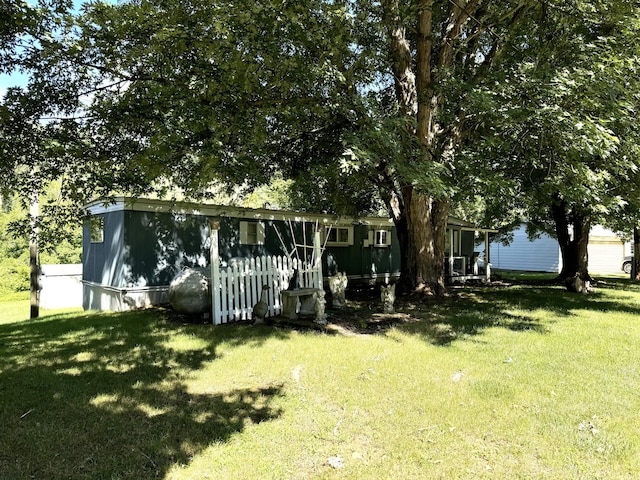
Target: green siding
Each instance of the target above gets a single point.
(358, 260)
(150, 248)
(157, 246)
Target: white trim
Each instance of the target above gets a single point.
(96, 229)
(337, 229)
(125, 290)
(96, 296)
(210, 210)
(474, 229)
(387, 237)
(244, 233)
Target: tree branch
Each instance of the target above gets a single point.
(400, 51)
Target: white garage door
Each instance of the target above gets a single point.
(605, 257)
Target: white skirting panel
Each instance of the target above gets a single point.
(114, 299)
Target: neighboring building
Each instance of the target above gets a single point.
(61, 286)
(133, 248)
(606, 251)
(539, 255)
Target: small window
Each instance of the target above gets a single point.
(342, 236)
(251, 233)
(96, 225)
(382, 238)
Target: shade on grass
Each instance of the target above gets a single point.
(517, 382)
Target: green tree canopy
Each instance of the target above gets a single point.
(562, 135)
(420, 104)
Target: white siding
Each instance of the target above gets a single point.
(606, 252)
(605, 257)
(539, 255)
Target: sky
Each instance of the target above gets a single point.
(16, 79)
(20, 79)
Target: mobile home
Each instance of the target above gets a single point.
(133, 248)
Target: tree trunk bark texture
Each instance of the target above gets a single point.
(422, 230)
(427, 224)
(572, 231)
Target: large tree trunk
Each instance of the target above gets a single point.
(421, 231)
(427, 224)
(436, 49)
(635, 269)
(572, 231)
(422, 225)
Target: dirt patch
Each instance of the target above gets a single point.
(362, 316)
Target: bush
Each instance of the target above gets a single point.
(14, 251)
(14, 276)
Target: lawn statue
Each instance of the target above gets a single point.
(293, 281)
(338, 285)
(261, 308)
(388, 296)
(319, 306)
(577, 285)
(189, 292)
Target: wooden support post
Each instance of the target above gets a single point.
(317, 258)
(33, 256)
(214, 259)
(487, 267)
(451, 251)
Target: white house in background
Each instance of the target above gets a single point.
(606, 251)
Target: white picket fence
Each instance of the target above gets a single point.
(237, 288)
(240, 285)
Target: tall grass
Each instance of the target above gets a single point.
(516, 382)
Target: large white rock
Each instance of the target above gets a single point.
(189, 292)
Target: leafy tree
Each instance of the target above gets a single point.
(567, 131)
(421, 104)
(33, 152)
(253, 90)
(249, 93)
(444, 58)
(34, 149)
(14, 245)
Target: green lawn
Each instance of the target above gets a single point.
(510, 382)
(14, 310)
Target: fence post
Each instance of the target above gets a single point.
(487, 260)
(214, 255)
(317, 255)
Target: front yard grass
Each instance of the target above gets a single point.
(509, 382)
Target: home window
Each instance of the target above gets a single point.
(96, 226)
(251, 233)
(382, 238)
(340, 236)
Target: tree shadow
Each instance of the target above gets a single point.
(103, 396)
(444, 323)
(467, 311)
